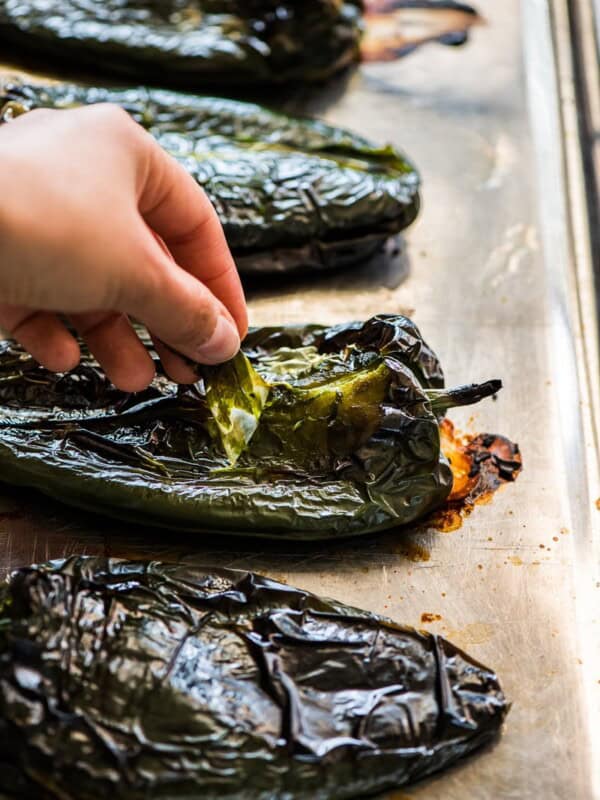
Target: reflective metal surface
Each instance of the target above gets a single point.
(498, 272)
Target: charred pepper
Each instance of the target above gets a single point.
(189, 42)
(149, 681)
(291, 193)
(312, 433)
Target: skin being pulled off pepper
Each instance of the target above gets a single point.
(315, 433)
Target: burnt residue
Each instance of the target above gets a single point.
(150, 681)
(427, 617)
(413, 551)
(395, 28)
(481, 464)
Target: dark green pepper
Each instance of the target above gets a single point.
(230, 44)
(148, 681)
(197, 43)
(323, 432)
(290, 193)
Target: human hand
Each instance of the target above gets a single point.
(88, 199)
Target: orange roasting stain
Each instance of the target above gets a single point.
(598, 504)
(480, 465)
(454, 447)
(427, 617)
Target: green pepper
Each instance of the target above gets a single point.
(339, 435)
(149, 681)
(290, 193)
(191, 42)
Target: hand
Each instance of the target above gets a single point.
(97, 224)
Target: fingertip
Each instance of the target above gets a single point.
(175, 367)
(113, 341)
(179, 373)
(62, 356)
(223, 343)
(135, 379)
(241, 321)
(45, 337)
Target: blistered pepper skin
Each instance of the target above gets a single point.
(292, 194)
(192, 43)
(149, 681)
(347, 443)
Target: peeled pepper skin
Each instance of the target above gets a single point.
(150, 681)
(292, 194)
(194, 43)
(347, 443)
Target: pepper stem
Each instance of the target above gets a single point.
(443, 399)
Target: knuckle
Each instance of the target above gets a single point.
(155, 289)
(137, 280)
(110, 114)
(149, 284)
(196, 324)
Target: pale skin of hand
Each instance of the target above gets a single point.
(99, 225)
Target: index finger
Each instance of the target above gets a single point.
(178, 210)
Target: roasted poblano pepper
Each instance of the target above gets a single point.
(148, 681)
(197, 43)
(315, 433)
(290, 193)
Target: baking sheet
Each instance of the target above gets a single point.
(501, 287)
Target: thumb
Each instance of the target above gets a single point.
(176, 307)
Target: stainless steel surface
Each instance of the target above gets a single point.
(500, 279)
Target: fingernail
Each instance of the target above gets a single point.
(222, 345)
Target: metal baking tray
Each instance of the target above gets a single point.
(499, 272)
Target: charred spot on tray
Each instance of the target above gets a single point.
(428, 617)
(395, 28)
(481, 464)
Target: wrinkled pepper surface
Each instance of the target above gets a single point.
(312, 433)
(291, 193)
(196, 43)
(148, 681)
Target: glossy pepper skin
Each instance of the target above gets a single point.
(149, 681)
(291, 194)
(348, 441)
(195, 43)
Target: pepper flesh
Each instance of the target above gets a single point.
(149, 681)
(347, 441)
